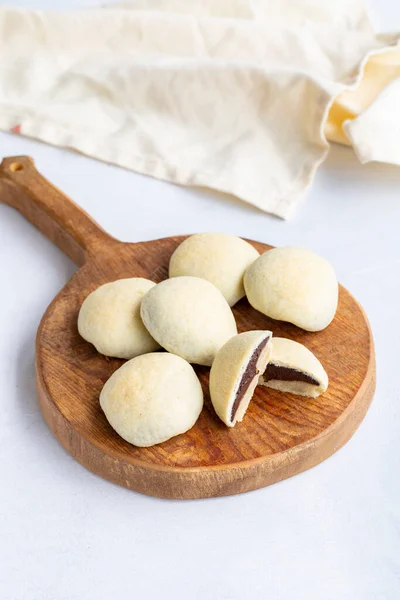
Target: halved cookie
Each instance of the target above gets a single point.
(235, 373)
(293, 368)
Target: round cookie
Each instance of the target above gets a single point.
(109, 319)
(189, 317)
(295, 369)
(152, 398)
(218, 257)
(235, 373)
(294, 285)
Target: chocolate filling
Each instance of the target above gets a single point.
(281, 373)
(248, 376)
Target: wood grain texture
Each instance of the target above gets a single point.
(281, 434)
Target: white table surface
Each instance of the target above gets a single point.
(332, 533)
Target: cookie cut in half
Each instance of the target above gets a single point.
(293, 368)
(235, 373)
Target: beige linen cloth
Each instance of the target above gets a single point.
(233, 95)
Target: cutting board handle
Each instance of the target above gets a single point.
(51, 211)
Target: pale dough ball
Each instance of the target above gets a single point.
(189, 317)
(109, 319)
(235, 373)
(294, 285)
(218, 257)
(152, 398)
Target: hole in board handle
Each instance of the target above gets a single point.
(16, 166)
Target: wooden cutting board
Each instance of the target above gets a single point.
(281, 434)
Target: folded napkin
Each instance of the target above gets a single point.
(368, 116)
(233, 95)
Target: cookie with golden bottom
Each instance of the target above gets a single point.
(188, 316)
(109, 319)
(295, 369)
(294, 285)
(235, 373)
(220, 258)
(152, 398)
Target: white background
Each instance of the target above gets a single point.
(332, 533)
